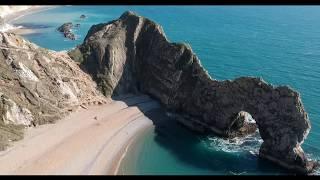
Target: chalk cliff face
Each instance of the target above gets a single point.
(132, 54)
(38, 86)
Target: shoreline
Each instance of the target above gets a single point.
(34, 9)
(16, 164)
(10, 18)
(79, 143)
(123, 154)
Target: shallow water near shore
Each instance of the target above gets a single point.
(279, 44)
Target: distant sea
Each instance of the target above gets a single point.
(281, 44)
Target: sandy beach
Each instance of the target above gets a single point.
(89, 141)
(33, 9)
(11, 17)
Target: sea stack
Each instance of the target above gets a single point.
(132, 54)
(66, 29)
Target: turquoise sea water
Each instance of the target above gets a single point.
(281, 44)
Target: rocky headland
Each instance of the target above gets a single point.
(133, 55)
(38, 86)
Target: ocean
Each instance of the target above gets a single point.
(281, 44)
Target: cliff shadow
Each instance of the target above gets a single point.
(192, 148)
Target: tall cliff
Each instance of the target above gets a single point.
(38, 86)
(132, 54)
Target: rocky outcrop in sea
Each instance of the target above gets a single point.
(132, 54)
(66, 29)
(38, 86)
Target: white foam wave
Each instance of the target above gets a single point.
(317, 172)
(7, 27)
(314, 158)
(249, 144)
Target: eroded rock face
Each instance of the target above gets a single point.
(12, 113)
(132, 54)
(38, 86)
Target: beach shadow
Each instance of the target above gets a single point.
(189, 147)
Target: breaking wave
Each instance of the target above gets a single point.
(317, 172)
(314, 158)
(6, 27)
(250, 143)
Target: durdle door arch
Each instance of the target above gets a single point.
(134, 50)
